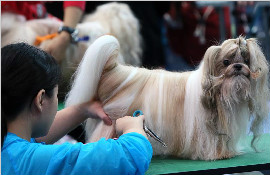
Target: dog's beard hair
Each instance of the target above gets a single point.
(233, 95)
(204, 137)
(233, 90)
(226, 122)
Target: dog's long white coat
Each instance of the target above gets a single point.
(196, 140)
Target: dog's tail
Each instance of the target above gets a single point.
(88, 74)
(102, 54)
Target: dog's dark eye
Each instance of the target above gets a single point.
(246, 61)
(226, 62)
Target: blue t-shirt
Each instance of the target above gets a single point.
(130, 154)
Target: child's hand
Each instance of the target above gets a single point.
(93, 109)
(129, 124)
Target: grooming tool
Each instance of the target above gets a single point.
(149, 131)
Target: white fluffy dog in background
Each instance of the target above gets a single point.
(112, 18)
(118, 20)
(201, 114)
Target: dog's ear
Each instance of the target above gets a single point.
(258, 61)
(209, 61)
(259, 87)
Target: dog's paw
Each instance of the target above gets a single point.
(226, 155)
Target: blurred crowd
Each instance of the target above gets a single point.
(177, 34)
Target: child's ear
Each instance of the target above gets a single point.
(39, 100)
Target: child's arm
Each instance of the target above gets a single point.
(69, 118)
(130, 154)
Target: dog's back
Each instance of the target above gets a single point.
(123, 89)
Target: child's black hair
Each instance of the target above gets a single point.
(25, 70)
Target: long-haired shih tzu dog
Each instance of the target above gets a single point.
(201, 114)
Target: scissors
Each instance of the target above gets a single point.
(147, 130)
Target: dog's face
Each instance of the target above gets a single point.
(231, 69)
(233, 64)
(233, 60)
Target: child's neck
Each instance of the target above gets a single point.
(21, 126)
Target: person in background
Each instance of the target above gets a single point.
(73, 11)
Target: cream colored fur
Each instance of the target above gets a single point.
(118, 20)
(202, 114)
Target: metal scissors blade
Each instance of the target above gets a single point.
(149, 131)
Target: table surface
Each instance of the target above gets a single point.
(173, 165)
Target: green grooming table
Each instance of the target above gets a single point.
(250, 161)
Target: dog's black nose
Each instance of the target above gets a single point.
(237, 67)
